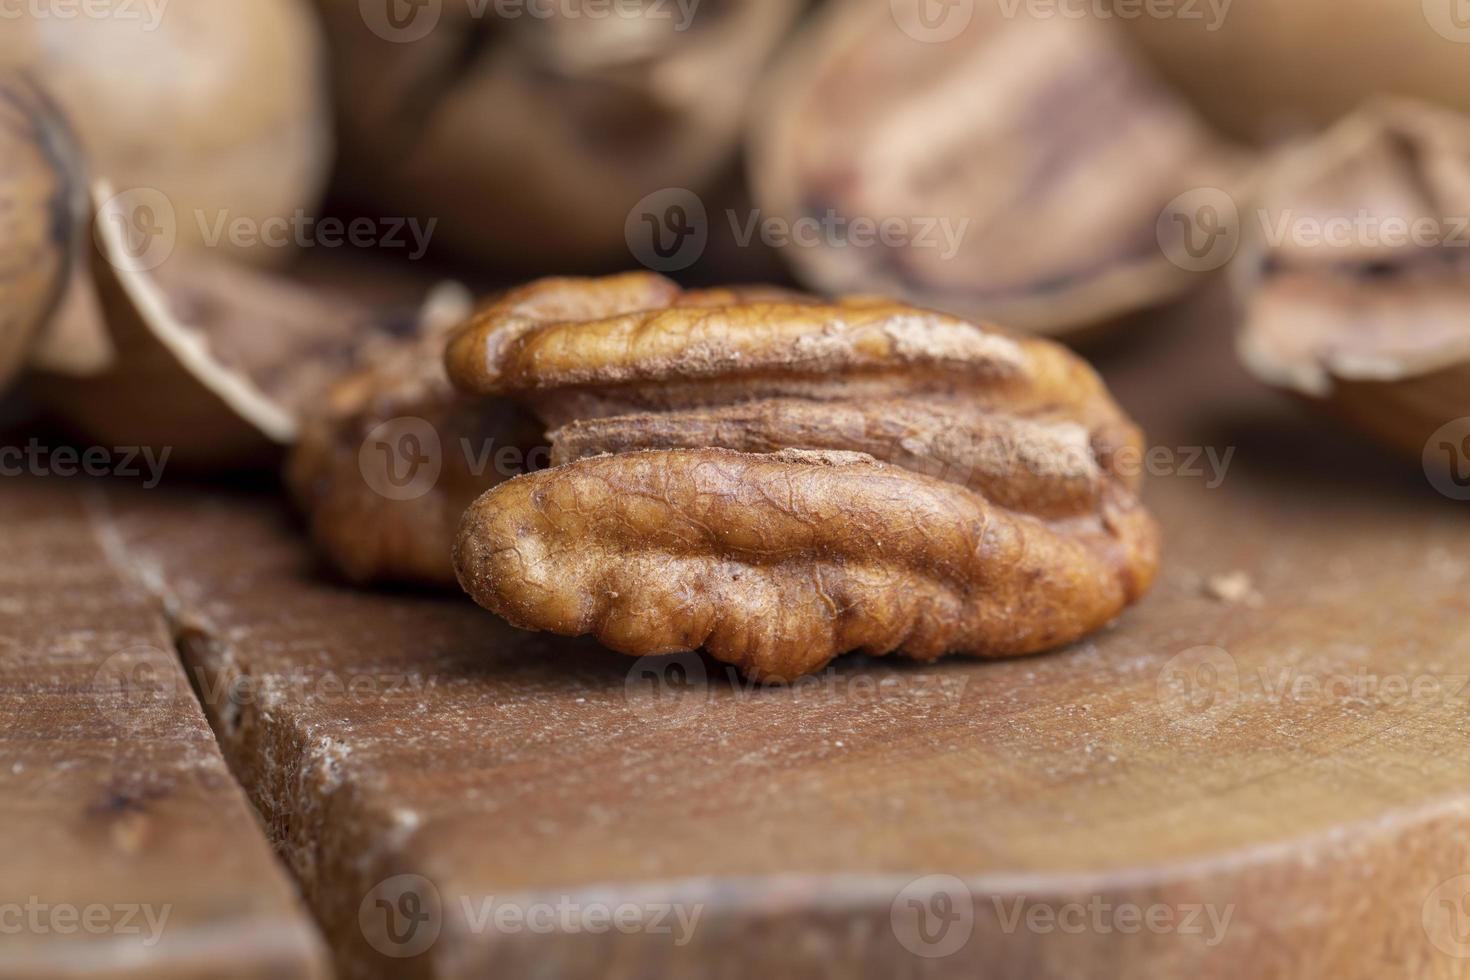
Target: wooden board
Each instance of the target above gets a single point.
(128, 849)
(1229, 782)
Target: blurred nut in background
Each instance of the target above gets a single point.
(1019, 165)
(41, 206)
(1354, 271)
(530, 137)
(217, 105)
(1263, 71)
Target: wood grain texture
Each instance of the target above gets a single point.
(1229, 782)
(129, 850)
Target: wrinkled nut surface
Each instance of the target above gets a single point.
(780, 480)
(1362, 302)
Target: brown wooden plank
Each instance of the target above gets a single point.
(128, 848)
(391, 734)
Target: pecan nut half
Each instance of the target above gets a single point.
(780, 479)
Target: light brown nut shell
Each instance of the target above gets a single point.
(1015, 170)
(213, 360)
(1371, 320)
(1261, 71)
(219, 106)
(727, 482)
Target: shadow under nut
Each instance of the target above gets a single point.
(778, 563)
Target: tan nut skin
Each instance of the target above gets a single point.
(1012, 537)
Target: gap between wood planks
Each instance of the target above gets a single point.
(154, 584)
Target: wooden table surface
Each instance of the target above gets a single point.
(129, 850)
(1262, 770)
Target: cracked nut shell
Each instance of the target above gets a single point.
(1019, 168)
(780, 480)
(1369, 317)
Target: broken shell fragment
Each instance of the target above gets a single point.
(214, 360)
(1014, 171)
(1354, 277)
